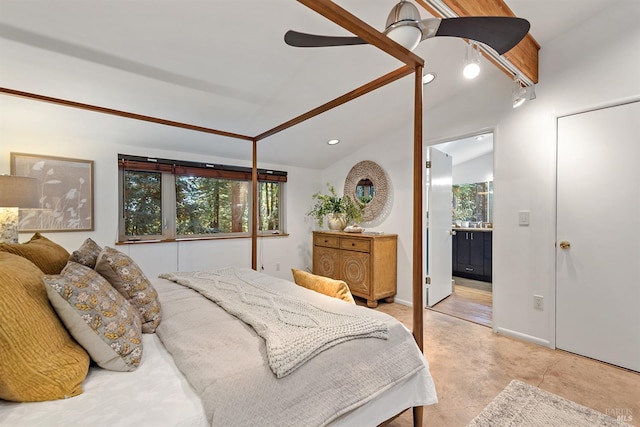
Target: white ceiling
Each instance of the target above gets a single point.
(469, 148)
(224, 65)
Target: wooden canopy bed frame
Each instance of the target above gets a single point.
(413, 64)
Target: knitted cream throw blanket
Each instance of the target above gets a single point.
(294, 330)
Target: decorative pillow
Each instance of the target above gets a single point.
(47, 255)
(97, 316)
(87, 254)
(125, 275)
(324, 285)
(38, 358)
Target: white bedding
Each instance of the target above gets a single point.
(226, 362)
(158, 394)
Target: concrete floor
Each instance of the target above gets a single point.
(471, 365)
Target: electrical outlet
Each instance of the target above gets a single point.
(538, 302)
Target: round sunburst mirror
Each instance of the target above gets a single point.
(367, 183)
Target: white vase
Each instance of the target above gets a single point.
(336, 222)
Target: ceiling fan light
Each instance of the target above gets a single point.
(406, 35)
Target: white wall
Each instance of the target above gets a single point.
(578, 70)
(32, 127)
(479, 169)
(390, 151)
(581, 69)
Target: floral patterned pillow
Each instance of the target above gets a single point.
(125, 275)
(87, 254)
(97, 316)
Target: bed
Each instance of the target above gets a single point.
(204, 366)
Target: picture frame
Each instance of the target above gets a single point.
(65, 192)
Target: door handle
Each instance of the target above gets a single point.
(565, 245)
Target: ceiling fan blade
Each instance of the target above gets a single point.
(502, 33)
(297, 39)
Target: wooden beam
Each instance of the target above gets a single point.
(524, 56)
(362, 90)
(418, 189)
(121, 113)
(254, 206)
(353, 24)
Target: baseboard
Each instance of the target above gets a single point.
(524, 337)
(403, 302)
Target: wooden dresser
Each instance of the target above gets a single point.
(366, 262)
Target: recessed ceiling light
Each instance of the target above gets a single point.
(480, 137)
(428, 78)
(333, 141)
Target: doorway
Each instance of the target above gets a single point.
(471, 228)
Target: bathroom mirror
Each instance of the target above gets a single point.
(367, 183)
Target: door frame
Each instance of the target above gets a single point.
(434, 143)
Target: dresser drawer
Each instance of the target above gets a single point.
(327, 241)
(359, 245)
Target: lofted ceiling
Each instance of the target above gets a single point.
(224, 65)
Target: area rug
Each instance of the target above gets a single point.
(524, 405)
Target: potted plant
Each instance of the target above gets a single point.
(340, 210)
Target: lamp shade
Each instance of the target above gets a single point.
(18, 192)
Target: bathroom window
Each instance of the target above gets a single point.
(473, 202)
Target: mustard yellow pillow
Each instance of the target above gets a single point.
(48, 256)
(324, 285)
(38, 358)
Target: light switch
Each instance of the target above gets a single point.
(523, 218)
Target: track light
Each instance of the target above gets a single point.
(472, 61)
(518, 92)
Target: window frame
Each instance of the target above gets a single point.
(169, 169)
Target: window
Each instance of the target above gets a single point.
(167, 199)
(473, 202)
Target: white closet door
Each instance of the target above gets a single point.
(598, 235)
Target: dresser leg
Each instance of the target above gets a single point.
(372, 303)
(389, 299)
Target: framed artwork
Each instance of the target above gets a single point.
(65, 192)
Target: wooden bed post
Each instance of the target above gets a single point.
(418, 188)
(254, 206)
(418, 276)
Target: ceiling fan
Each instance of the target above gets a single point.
(405, 26)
